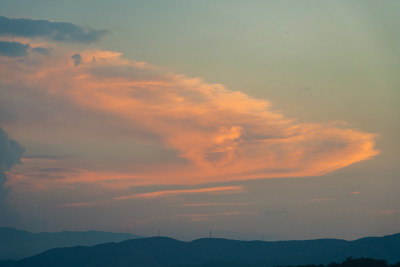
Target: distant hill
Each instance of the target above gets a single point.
(18, 244)
(163, 251)
(349, 262)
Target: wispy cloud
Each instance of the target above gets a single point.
(216, 204)
(354, 193)
(388, 212)
(170, 193)
(42, 157)
(36, 179)
(312, 200)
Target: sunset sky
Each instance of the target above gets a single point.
(248, 118)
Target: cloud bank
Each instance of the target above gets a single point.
(10, 154)
(212, 133)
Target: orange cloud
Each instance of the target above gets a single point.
(216, 134)
(49, 178)
(170, 193)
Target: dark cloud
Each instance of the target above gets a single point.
(13, 49)
(6, 214)
(41, 50)
(3, 190)
(57, 31)
(10, 153)
(78, 59)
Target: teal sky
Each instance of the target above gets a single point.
(314, 61)
(341, 57)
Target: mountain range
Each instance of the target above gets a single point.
(18, 244)
(164, 251)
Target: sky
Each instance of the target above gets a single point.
(253, 119)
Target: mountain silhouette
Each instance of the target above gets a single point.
(18, 244)
(164, 251)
